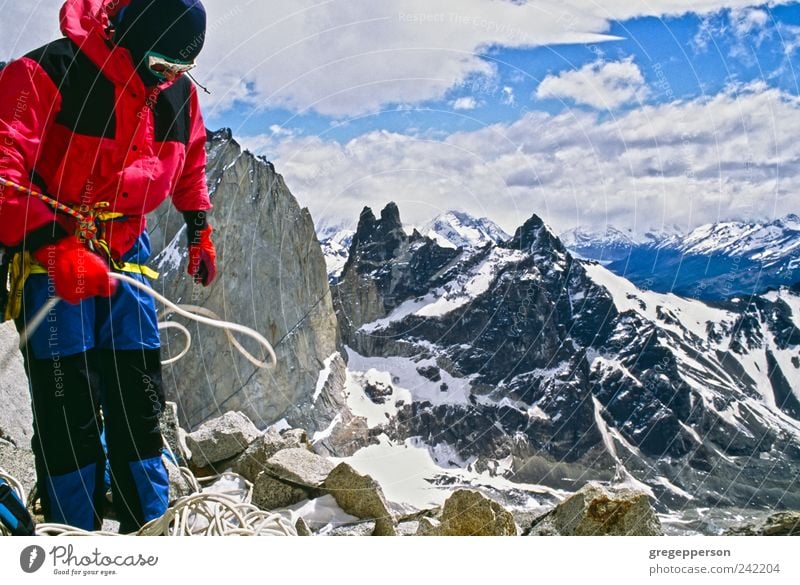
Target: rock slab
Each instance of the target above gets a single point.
(470, 513)
(253, 461)
(221, 438)
(780, 524)
(300, 467)
(596, 511)
(361, 496)
(270, 493)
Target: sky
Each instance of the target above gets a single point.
(643, 115)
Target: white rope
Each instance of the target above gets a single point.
(214, 514)
(199, 314)
(188, 336)
(203, 513)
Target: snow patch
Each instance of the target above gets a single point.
(459, 292)
(692, 315)
(407, 383)
(172, 255)
(324, 374)
(324, 434)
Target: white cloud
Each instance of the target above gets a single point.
(602, 84)
(277, 130)
(508, 96)
(790, 38)
(686, 163)
(350, 57)
(747, 20)
(748, 28)
(465, 103)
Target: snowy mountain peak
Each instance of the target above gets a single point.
(611, 236)
(789, 222)
(533, 235)
(457, 229)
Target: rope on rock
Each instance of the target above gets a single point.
(204, 513)
(211, 514)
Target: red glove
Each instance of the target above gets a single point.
(203, 258)
(77, 272)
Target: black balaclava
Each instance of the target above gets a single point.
(173, 28)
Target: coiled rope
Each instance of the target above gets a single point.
(199, 314)
(203, 513)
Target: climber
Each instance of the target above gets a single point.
(105, 124)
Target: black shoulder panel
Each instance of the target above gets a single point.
(87, 96)
(172, 112)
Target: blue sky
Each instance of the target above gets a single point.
(679, 58)
(663, 114)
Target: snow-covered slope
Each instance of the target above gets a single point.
(335, 246)
(605, 247)
(768, 243)
(456, 229)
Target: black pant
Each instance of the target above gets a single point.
(73, 399)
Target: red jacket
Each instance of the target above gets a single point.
(77, 123)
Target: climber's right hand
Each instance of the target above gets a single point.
(77, 272)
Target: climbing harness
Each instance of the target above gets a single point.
(20, 265)
(88, 219)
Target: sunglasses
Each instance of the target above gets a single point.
(165, 68)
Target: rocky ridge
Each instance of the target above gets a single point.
(272, 277)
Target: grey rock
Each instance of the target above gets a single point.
(270, 493)
(779, 524)
(271, 276)
(170, 430)
(16, 418)
(361, 496)
(253, 461)
(346, 433)
(378, 392)
(470, 513)
(19, 464)
(428, 527)
(179, 485)
(221, 438)
(302, 528)
(296, 438)
(360, 529)
(596, 511)
(300, 467)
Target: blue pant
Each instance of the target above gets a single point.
(91, 366)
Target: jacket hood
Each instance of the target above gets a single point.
(86, 23)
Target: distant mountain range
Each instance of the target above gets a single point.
(713, 262)
(518, 358)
